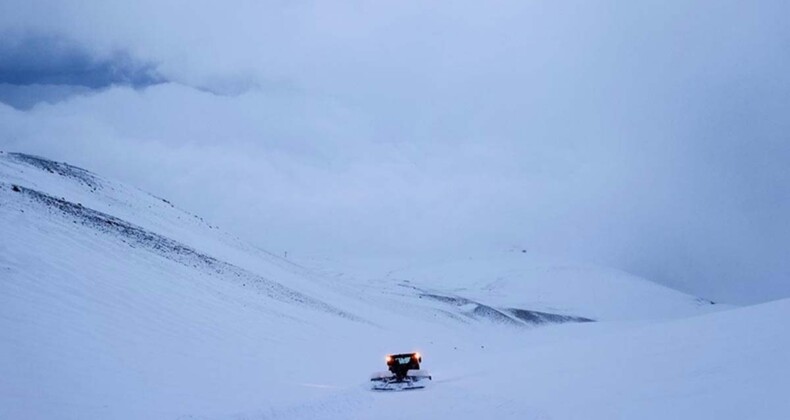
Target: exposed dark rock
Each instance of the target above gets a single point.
(62, 169)
(535, 317)
(510, 316)
(491, 314)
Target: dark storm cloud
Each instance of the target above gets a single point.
(49, 60)
(49, 68)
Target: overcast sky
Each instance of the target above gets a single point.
(651, 136)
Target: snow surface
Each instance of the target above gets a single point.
(116, 304)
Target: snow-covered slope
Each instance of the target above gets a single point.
(725, 365)
(541, 283)
(519, 280)
(105, 318)
(116, 304)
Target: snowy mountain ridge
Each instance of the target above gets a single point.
(143, 220)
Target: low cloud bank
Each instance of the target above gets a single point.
(636, 135)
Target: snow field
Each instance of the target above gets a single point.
(96, 324)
